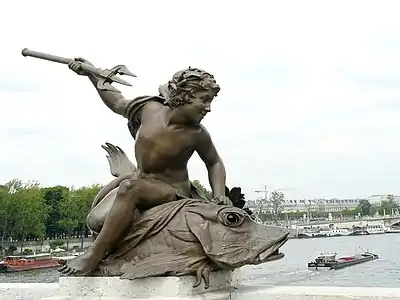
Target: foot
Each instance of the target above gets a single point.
(80, 265)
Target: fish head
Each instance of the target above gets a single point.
(231, 238)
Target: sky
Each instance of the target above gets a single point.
(309, 101)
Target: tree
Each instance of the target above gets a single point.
(365, 207)
(387, 206)
(52, 197)
(69, 213)
(276, 202)
(84, 197)
(207, 193)
(32, 211)
(262, 209)
(8, 209)
(7, 214)
(351, 212)
(74, 208)
(373, 210)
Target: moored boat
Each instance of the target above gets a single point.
(28, 262)
(369, 229)
(393, 229)
(321, 232)
(331, 262)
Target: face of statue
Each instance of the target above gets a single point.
(200, 106)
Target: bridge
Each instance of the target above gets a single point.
(388, 221)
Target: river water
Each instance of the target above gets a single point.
(292, 269)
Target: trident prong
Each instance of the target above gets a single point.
(109, 76)
(122, 70)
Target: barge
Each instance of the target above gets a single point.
(28, 263)
(329, 261)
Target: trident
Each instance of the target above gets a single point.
(106, 77)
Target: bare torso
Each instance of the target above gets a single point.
(162, 151)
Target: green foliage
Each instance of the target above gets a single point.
(365, 208)
(52, 197)
(387, 206)
(352, 212)
(56, 244)
(74, 207)
(31, 212)
(276, 201)
(207, 193)
(23, 211)
(27, 251)
(11, 250)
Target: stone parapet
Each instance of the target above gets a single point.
(224, 286)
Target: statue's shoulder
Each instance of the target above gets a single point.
(134, 108)
(204, 134)
(135, 105)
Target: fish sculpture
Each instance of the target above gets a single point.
(193, 237)
(190, 236)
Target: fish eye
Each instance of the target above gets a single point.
(232, 219)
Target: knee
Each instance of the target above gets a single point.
(94, 222)
(127, 187)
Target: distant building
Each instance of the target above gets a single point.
(320, 205)
(377, 199)
(326, 205)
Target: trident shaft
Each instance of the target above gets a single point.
(106, 77)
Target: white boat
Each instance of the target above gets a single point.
(320, 232)
(337, 232)
(376, 229)
(394, 229)
(370, 229)
(310, 233)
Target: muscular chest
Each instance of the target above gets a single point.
(159, 143)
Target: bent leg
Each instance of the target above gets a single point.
(131, 194)
(97, 216)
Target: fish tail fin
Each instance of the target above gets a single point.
(118, 161)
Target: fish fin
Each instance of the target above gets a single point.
(235, 193)
(200, 228)
(118, 161)
(183, 235)
(240, 203)
(237, 197)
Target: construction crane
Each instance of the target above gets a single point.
(265, 191)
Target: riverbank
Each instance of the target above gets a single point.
(44, 246)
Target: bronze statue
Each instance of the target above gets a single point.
(184, 237)
(157, 195)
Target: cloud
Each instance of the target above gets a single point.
(308, 90)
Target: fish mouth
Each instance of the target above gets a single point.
(272, 252)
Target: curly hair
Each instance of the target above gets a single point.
(184, 84)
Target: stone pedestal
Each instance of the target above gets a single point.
(166, 288)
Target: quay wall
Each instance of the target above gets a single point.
(45, 246)
(43, 291)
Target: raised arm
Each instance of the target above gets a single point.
(215, 166)
(114, 100)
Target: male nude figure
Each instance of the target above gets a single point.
(167, 131)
